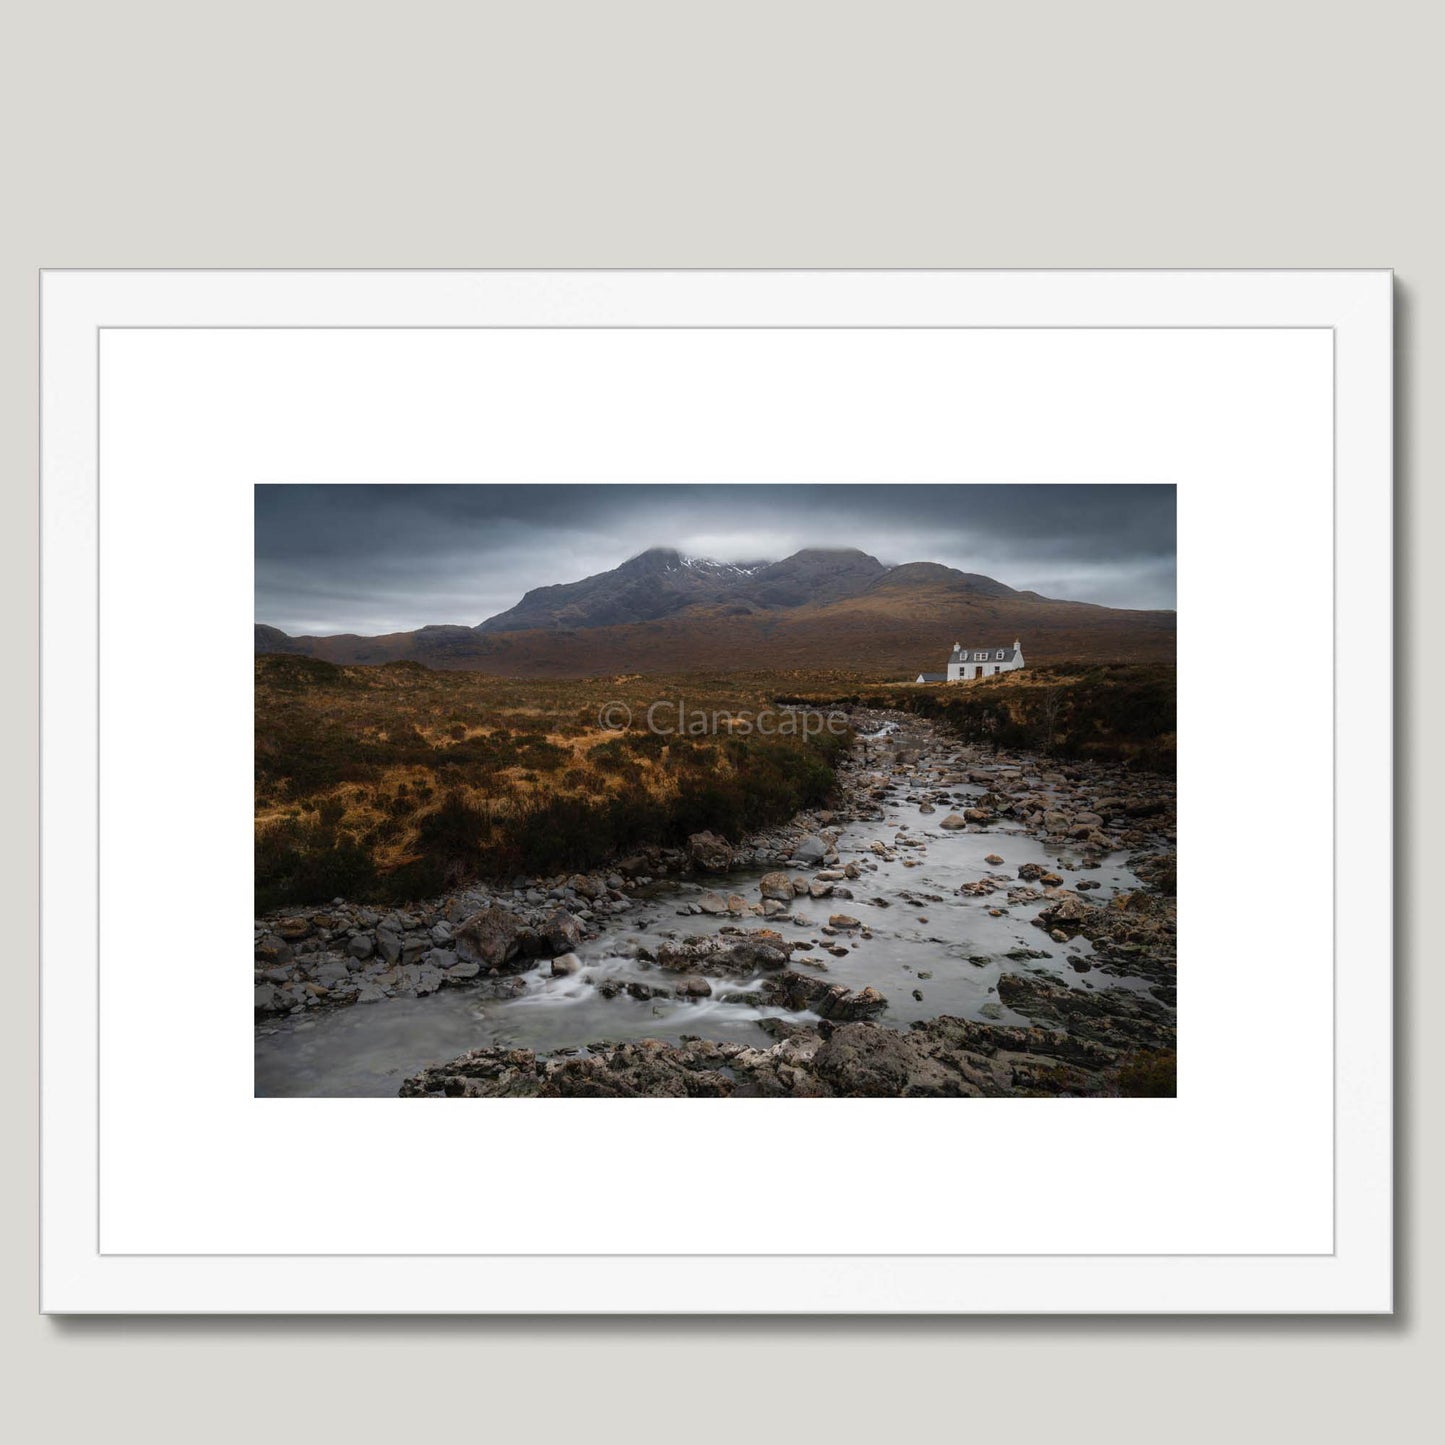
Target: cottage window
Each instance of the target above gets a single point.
(1000, 655)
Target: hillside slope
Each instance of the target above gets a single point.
(664, 613)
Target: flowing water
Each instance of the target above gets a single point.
(929, 939)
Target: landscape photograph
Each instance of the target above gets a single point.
(715, 791)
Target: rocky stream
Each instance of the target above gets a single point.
(962, 922)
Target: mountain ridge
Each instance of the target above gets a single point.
(662, 610)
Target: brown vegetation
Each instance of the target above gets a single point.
(396, 782)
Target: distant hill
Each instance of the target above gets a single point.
(662, 582)
(663, 612)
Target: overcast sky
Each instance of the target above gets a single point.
(373, 559)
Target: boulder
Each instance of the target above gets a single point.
(811, 850)
(954, 822)
(764, 950)
(1068, 916)
(709, 853)
(562, 931)
(490, 938)
(751, 955)
(840, 1004)
(776, 885)
(861, 1060)
(361, 946)
(565, 964)
(272, 948)
(796, 991)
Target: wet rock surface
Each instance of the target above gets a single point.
(942, 1058)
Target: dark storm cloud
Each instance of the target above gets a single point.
(375, 559)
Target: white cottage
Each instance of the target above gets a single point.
(967, 663)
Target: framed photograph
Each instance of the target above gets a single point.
(749, 792)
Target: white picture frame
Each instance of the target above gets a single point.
(141, 1119)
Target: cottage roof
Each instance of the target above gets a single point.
(959, 653)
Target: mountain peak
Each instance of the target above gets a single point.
(654, 559)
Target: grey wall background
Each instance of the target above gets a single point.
(751, 134)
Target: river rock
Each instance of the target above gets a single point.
(811, 850)
(491, 937)
(861, 1060)
(562, 931)
(1068, 916)
(796, 991)
(333, 970)
(954, 822)
(750, 954)
(709, 853)
(272, 948)
(361, 947)
(778, 886)
(713, 903)
(565, 964)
